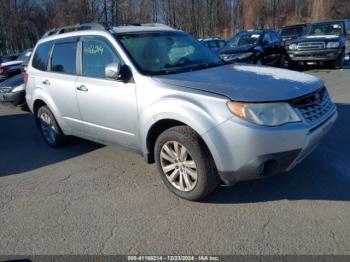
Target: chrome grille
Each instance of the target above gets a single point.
(311, 46)
(315, 106)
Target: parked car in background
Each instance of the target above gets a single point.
(292, 32)
(12, 90)
(323, 42)
(257, 47)
(159, 92)
(214, 44)
(9, 69)
(3, 59)
(12, 57)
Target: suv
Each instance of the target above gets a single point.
(161, 93)
(325, 42)
(257, 47)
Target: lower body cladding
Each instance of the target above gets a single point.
(244, 151)
(314, 55)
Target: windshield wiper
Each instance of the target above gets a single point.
(175, 70)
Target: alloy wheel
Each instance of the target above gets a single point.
(178, 166)
(48, 128)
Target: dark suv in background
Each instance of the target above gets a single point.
(323, 42)
(257, 47)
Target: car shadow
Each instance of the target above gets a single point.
(324, 175)
(22, 148)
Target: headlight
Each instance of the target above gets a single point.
(265, 114)
(333, 45)
(18, 88)
(293, 47)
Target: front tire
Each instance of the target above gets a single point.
(339, 62)
(185, 164)
(49, 128)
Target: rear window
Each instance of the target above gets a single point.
(64, 58)
(41, 56)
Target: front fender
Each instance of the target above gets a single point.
(195, 115)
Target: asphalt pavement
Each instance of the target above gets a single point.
(92, 199)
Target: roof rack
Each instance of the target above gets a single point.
(72, 28)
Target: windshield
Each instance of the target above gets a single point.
(157, 53)
(326, 29)
(244, 39)
(292, 31)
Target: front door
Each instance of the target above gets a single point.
(108, 107)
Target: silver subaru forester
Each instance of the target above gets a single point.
(161, 93)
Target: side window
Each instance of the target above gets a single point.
(221, 44)
(348, 28)
(41, 56)
(212, 44)
(275, 37)
(63, 58)
(267, 38)
(97, 54)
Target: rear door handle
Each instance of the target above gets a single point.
(46, 82)
(82, 88)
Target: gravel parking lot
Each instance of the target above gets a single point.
(92, 199)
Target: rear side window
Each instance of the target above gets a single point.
(212, 44)
(63, 58)
(221, 44)
(41, 56)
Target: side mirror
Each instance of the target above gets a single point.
(113, 71)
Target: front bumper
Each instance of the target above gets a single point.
(314, 55)
(14, 98)
(244, 151)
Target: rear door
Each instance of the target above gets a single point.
(277, 46)
(268, 47)
(60, 80)
(108, 107)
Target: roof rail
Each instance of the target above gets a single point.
(156, 25)
(72, 28)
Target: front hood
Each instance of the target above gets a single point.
(247, 83)
(239, 49)
(12, 63)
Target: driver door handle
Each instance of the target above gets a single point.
(82, 88)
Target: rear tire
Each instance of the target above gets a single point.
(185, 164)
(49, 128)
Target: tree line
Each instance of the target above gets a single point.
(23, 22)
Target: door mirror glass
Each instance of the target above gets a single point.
(112, 71)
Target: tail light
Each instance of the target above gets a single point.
(25, 76)
(1, 70)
